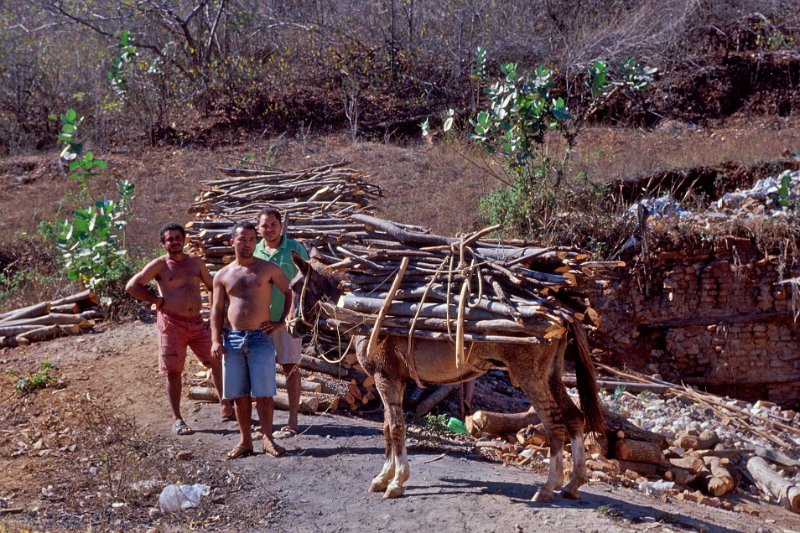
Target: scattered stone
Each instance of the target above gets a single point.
(183, 455)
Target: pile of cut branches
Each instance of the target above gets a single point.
(315, 202)
(47, 320)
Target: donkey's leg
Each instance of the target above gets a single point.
(531, 368)
(381, 481)
(573, 419)
(397, 428)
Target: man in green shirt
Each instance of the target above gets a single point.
(276, 247)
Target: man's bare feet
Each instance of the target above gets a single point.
(270, 448)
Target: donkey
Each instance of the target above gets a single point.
(537, 369)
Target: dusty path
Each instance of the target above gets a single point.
(109, 429)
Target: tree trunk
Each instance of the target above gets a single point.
(781, 489)
(499, 423)
(425, 406)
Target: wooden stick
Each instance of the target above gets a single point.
(487, 422)
(387, 302)
(639, 451)
(16, 330)
(305, 386)
(365, 329)
(88, 295)
(460, 357)
(308, 404)
(69, 309)
(440, 393)
(318, 365)
(40, 334)
(46, 320)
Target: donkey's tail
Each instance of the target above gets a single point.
(587, 383)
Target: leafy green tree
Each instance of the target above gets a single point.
(116, 74)
(520, 116)
(92, 243)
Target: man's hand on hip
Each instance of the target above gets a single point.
(271, 327)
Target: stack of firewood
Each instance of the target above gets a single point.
(316, 394)
(315, 203)
(47, 320)
(410, 282)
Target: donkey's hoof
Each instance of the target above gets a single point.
(543, 496)
(394, 491)
(570, 494)
(378, 485)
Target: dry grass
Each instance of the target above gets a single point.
(606, 154)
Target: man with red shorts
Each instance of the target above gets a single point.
(178, 276)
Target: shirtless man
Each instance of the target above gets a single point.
(178, 276)
(246, 347)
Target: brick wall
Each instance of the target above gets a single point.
(710, 314)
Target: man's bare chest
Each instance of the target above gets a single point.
(242, 284)
(177, 274)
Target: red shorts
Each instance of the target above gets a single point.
(175, 333)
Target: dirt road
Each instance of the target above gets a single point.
(71, 456)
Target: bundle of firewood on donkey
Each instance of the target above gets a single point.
(402, 281)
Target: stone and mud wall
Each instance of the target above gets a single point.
(712, 314)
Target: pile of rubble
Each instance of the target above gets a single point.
(674, 442)
(773, 197)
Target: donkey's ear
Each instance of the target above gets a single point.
(301, 264)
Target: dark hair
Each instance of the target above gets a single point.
(243, 224)
(270, 210)
(172, 226)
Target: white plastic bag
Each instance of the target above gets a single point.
(181, 497)
(654, 488)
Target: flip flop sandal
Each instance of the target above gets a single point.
(272, 449)
(285, 432)
(240, 451)
(182, 428)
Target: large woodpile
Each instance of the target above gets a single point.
(315, 203)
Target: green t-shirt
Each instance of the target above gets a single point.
(283, 258)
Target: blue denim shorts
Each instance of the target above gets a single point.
(249, 364)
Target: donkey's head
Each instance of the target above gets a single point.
(312, 285)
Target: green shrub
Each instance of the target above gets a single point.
(92, 243)
(37, 380)
(520, 118)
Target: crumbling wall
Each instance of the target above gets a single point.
(712, 314)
